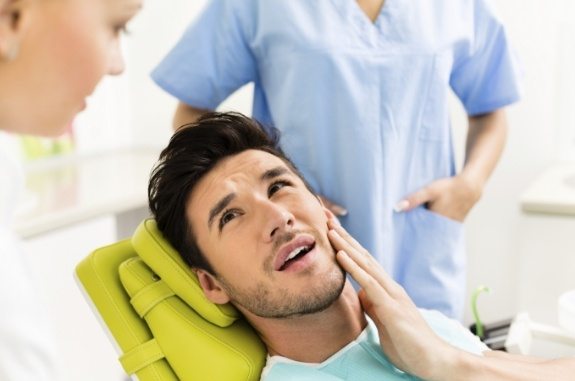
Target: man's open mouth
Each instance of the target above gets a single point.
(293, 251)
(295, 255)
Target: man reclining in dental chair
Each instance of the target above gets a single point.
(242, 216)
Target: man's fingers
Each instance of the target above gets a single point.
(369, 308)
(350, 246)
(364, 299)
(371, 287)
(347, 237)
(362, 258)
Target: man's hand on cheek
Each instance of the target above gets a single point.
(404, 335)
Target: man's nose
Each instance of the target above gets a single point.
(278, 219)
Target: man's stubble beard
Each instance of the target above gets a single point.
(284, 304)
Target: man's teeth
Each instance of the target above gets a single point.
(296, 251)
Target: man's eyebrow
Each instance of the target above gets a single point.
(274, 172)
(219, 207)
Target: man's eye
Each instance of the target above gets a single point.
(276, 186)
(228, 216)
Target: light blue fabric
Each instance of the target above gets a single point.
(362, 108)
(363, 359)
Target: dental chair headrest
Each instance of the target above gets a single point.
(170, 267)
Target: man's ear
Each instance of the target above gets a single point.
(212, 287)
(11, 30)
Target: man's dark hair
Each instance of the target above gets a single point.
(192, 152)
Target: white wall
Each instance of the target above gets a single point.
(152, 33)
(501, 239)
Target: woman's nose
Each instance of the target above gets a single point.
(116, 59)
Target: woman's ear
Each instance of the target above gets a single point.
(212, 287)
(10, 28)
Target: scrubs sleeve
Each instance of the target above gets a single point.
(212, 59)
(487, 76)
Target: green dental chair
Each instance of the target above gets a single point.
(154, 308)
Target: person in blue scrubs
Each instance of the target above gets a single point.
(359, 90)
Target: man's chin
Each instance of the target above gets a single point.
(333, 286)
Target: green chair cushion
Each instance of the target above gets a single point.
(99, 278)
(148, 242)
(192, 345)
(164, 326)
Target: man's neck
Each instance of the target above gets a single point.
(314, 338)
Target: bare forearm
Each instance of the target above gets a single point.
(186, 114)
(485, 143)
(504, 367)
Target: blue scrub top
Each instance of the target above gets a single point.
(362, 106)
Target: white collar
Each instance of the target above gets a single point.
(369, 329)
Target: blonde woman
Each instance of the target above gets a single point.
(52, 55)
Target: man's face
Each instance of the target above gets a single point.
(265, 235)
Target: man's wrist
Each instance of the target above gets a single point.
(459, 365)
